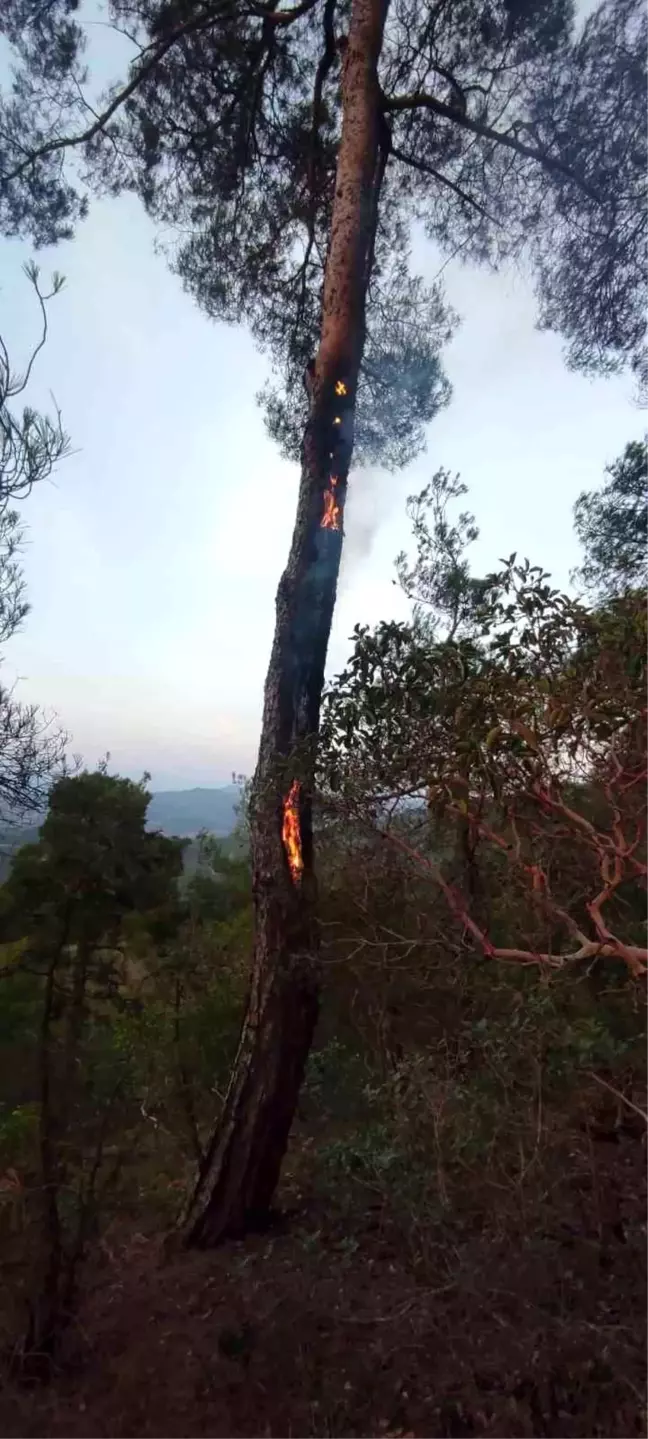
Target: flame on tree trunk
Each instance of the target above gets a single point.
(331, 517)
(241, 1168)
(291, 833)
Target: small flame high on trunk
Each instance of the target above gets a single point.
(290, 833)
(331, 516)
(332, 510)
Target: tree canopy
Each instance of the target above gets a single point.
(523, 723)
(612, 526)
(507, 131)
(94, 861)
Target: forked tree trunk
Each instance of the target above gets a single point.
(241, 1168)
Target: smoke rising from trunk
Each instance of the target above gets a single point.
(372, 496)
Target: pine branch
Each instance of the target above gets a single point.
(421, 101)
(188, 27)
(444, 180)
(324, 65)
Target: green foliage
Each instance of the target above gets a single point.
(93, 864)
(612, 526)
(587, 1042)
(449, 1094)
(368, 1156)
(66, 1011)
(335, 1079)
(491, 1086)
(439, 581)
(522, 730)
(128, 998)
(219, 887)
(474, 1091)
(423, 706)
(18, 1132)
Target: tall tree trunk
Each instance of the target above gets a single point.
(239, 1175)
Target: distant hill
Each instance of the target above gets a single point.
(181, 812)
(187, 811)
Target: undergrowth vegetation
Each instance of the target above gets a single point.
(470, 1137)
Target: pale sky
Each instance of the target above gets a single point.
(154, 556)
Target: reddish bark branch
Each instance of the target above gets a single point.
(612, 852)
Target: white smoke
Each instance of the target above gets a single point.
(371, 497)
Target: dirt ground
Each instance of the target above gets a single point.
(328, 1325)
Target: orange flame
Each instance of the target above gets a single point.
(290, 832)
(340, 388)
(337, 420)
(331, 516)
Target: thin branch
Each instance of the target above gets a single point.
(619, 1095)
(195, 23)
(69, 142)
(437, 175)
(456, 88)
(421, 101)
(19, 385)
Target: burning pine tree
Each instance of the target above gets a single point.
(292, 145)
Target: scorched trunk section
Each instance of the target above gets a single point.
(241, 1169)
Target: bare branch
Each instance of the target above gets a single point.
(32, 444)
(617, 1092)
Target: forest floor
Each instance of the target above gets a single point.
(337, 1322)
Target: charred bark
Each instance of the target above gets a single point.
(241, 1168)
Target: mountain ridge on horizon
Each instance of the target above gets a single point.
(180, 812)
(187, 811)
